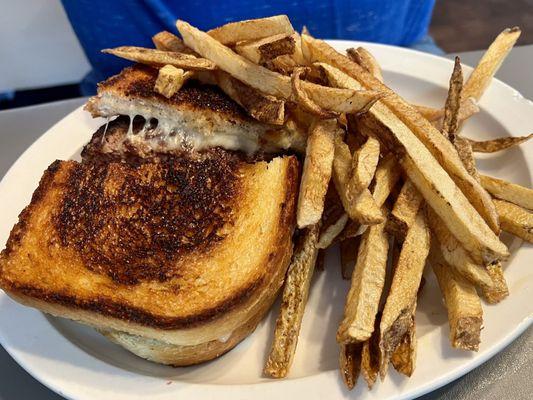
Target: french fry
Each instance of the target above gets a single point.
(283, 64)
(303, 99)
(167, 41)
(330, 234)
(456, 256)
(268, 48)
(316, 172)
(269, 82)
(404, 211)
(401, 302)
(364, 163)
(370, 356)
(429, 113)
(386, 177)
(252, 29)
(519, 195)
(403, 358)
(170, 79)
(515, 220)
(366, 60)
(491, 61)
(160, 58)
(465, 314)
(349, 249)
(468, 108)
(464, 150)
(262, 107)
(295, 293)
(499, 289)
(407, 124)
(450, 122)
(494, 145)
(350, 363)
(362, 208)
(367, 283)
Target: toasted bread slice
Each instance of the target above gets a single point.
(198, 116)
(181, 250)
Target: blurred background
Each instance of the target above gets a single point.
(49, 49)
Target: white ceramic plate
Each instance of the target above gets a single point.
(78, 363)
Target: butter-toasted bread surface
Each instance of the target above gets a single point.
(177, 249)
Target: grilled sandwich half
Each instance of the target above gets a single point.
(176, 254)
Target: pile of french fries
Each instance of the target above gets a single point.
(395, 185)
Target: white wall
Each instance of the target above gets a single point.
(38, 47)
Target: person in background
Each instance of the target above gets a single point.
(103, 24)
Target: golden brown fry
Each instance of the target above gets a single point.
(406, 125)
(515, 220)
(328, 236)
(401, 302)
(362, 208)
(303, 99)
(364, 163)
(366, 60)
(464, 149)
(404, 211)
(429, 113)
(167, 41)
(170, 79)
(295, 293)
(316, 172)
(252, 29)
(350, 363)
(268, 48)
(349, 249)
(465, 314)
(455, 254)
(368, 279)
(404, 357)
(450, 123)
(511, 192)
(481, 76)
(370, 356)
(468, 108)
(494, 145)
(283, 64)
(262, 107)
(386, 177)
(160, 58)
(272, 83)
(499, 289)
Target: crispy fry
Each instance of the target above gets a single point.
(404, 211)
(515, 219)
(364, 163)
(303, 99)
(387, 175)
(170, 79)
(262, 107)
(468, 108)
(330, 234)
(519, 195)
(367, 284)
(494, 145)
(455, 254)
(370, 356)
(269, 82)
(362, 208)
(430, 113)
(401, 302)
(404, 357)
(499, 289)
(465, 314)
(160, 58)
(283, 64)
(481, 76)
(167, 41)
(407, 124)
(350, 363)
(366, 60)
(349, 249)
(268, 48)
(464, 149)
(316, 172)
(295, 293)
(252, 29)
(450, 123)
